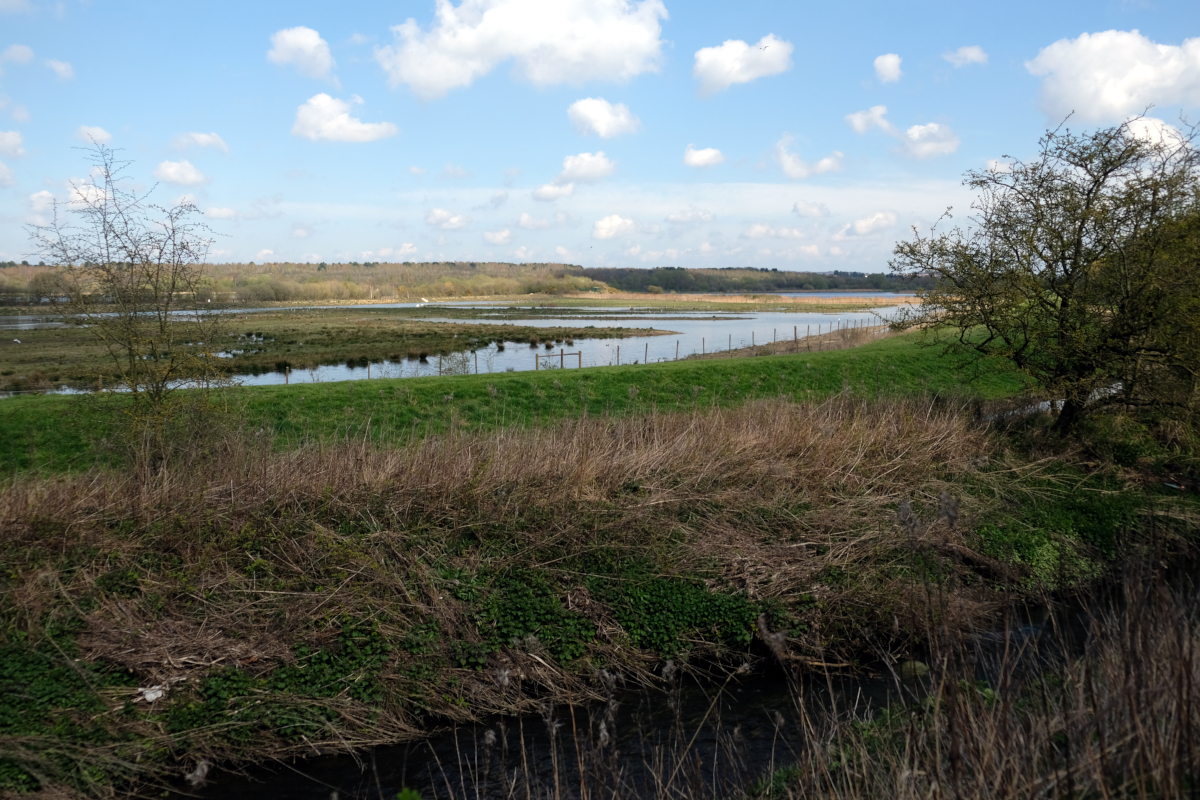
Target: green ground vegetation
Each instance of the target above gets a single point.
(62, 432)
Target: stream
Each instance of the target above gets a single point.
(733, 732)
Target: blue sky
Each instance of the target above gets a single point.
(802, 136)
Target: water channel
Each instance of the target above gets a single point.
(734, 732)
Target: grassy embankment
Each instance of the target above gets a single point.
(311, 597)
(55, 433)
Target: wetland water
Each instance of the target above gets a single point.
(688, 332)
(734, 732)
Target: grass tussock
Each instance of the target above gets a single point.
(337, 596)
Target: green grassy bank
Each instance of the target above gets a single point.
(57, 433)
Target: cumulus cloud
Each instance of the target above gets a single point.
(181, 173)
(301, 231)
(416, 170)
(611, 227)
(1155, 131)
(873, 117)
(325, 118)
(304, 49)
(17, 54)
(445, 220)
(690, 217)
(61, 68)
(453, 171)
(807, 209)
(927, 141)
(887, 68)
(532, 223)
(263, 255)
(796, 168)
(762, 230)
(597, 115)
(707, 157)
(734, 61)
(968, 54)
(220, 213)
(919, 141)
(11, 144)
(553, 191)
(7, 178)
(586, 168)
(1107, 76)
(582, 168)
(867, 225)
(498, 237)
(212, 140)
(567, 41)
(93, 133)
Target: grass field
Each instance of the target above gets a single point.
(57, 433)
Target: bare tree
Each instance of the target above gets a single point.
(134, 274)
(1078, 267)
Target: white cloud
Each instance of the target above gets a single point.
(762, 230)
(689, 217)
(796, 168)
(498, 237)
(874, 117)
(807, 209)
(179, 172)
(220, 213)
(611, 227)
(304, 49)
(523, 252)
(7, 178)
(41, 202)
(553, 191)
(887, 68)
(586, 168)
(1107, 76)
(734, 61)
(562, 251)
(706, 157)
(11, 144)
(301, 231)
(532, 223)
(263, 255)
(597, 115)
(93, 133)
(996, 165)
(446, 220)
(20, 113)
(325, 118)
(926, 141)
(967, 54)
(867, 225)
(566, 41)
(919, 141)
(498, 199)
(406, 249)
(1155, 131)
(61, 68)
(17, 53)
(200, 140)
(453, 171)
(416, 170)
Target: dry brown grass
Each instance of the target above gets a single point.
(241, 557)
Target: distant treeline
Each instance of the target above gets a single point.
(747, 280)
(22, 284)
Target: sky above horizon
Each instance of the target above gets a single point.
(597, 132)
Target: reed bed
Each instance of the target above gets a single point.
(216, 574)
